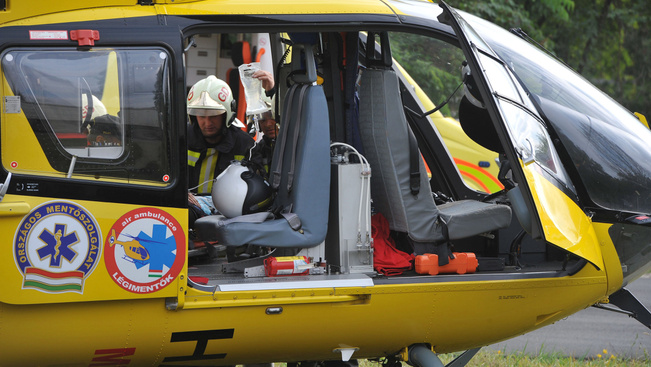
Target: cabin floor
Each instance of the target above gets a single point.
(211, 271)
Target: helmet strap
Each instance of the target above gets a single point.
(230, 122)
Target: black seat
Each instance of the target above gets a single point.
(386, 139)
(300, 172)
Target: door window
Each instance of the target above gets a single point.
(87, 114)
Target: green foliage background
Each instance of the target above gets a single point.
(606, 41)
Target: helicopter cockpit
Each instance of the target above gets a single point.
(469, 220)
(352, 142)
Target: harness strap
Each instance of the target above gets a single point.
(249, 218)
(414, 166)
(293, 220)
(292, 164)
(277, 164)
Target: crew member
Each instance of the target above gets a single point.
(104, 131)
(262, 152)
(214, 138)
(267, 81)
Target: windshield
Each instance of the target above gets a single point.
(608, 146)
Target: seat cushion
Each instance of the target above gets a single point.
(466, 218)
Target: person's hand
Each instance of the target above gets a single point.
(266, 78)
(192, 200)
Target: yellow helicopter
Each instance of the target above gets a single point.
(376, 248)
(133, 249)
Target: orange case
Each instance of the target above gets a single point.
(463, 262)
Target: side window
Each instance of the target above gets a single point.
(88, 114)
(434, 69)
(531, 139)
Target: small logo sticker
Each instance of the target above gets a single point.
(56, 247)
(12, 104)
(223, 95)
(48, 35)
(145, 250)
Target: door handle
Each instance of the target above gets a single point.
(13, 209)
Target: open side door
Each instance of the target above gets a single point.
(95, 207)
(544, 199)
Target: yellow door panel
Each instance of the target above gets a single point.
(75, 251)
(564, 223)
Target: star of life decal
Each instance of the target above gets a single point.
(56, 247)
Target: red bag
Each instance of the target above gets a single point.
(387, 259)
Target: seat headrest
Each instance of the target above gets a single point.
(477, 124)
(303, 66)
(383, 59)
(241, 53)
(309, 38)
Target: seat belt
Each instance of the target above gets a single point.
(292, 164)
(293, 220)
(277, 163)
(248, 218)
(414, 164)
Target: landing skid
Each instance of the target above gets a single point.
(422, 356)
(628, 304)
(464, 358)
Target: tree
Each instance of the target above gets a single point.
(607, 41)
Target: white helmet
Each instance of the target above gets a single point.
(239, 191)
(210, 97)
(98, 108)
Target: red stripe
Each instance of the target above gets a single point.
(478, 181)
(71, 136)
(45, 273)
(488, 174)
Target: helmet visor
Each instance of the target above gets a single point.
(199, 111)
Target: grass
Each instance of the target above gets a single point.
(492, 358)
(544, 359)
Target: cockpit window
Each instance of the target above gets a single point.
(99, 113)
(608, 147)
(432, 70)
